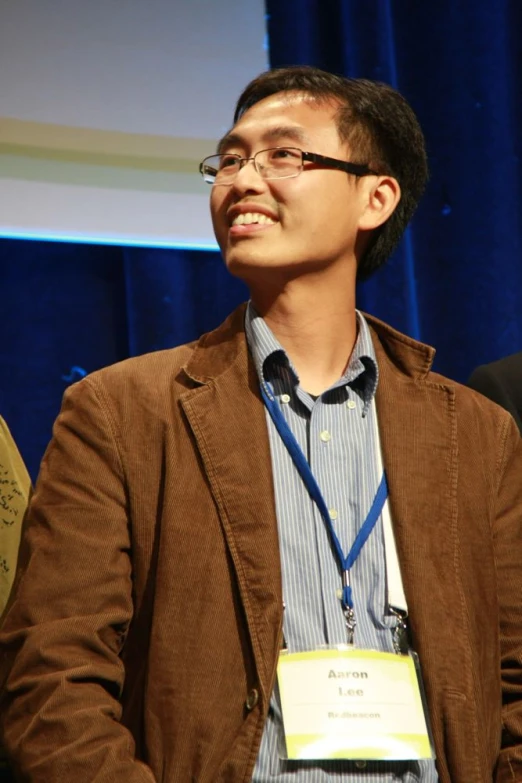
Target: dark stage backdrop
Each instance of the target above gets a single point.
(456, 281)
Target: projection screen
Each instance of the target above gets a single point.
(108, 106)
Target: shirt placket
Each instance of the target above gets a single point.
(303, 564)
(324, 440)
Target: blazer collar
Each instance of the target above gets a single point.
(409, 356)
(216, 351)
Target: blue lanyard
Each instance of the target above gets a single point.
(308, 478)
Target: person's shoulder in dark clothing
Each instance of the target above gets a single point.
(501, 381)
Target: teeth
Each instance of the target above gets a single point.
(246, 218)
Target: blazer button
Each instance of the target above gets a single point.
(252, 699)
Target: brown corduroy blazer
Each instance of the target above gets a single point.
(143, 634)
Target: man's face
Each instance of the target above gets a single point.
(311, 220)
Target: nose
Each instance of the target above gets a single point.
(248, 178)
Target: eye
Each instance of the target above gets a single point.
(228, 161)
(284, 152)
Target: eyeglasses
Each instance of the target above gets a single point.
(274, 163)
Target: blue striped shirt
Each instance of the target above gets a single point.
(338, 435)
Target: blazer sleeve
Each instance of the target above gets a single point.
(70, 610)
(507, 538)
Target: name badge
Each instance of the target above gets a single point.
(350, 703)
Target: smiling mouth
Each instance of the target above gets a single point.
(249, 218)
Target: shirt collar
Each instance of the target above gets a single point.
(361, 374)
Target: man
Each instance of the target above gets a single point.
(501, 381)
(191, 498)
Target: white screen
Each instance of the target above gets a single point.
(107, 107)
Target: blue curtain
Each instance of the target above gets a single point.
(69, 309)
(455, 282)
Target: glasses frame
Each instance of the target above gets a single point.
(358, 169)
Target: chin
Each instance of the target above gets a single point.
(261, 273)
(244, 260)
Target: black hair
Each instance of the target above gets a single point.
(381, 129)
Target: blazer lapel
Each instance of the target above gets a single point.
(419, 455)
(418, 430)
(227, 418)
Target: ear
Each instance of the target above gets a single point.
(383, 193)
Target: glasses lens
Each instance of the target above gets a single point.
(220, 169)
(279, 162)
(275, 163)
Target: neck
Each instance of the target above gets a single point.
(316, 324)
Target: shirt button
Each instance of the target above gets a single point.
(333, 513)
(350, 404)
(285, 398)
(252, 699)
(339, 593)
(325, 436)
(361, 764)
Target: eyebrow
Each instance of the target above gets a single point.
(290, 132)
